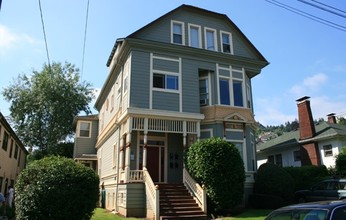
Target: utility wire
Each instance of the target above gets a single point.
(322, 8)
(44, 34)
(307, 15)
(336, 9)
(85, 34)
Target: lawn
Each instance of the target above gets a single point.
(251, 214)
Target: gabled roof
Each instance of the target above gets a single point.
(196, 10)
(324, 130)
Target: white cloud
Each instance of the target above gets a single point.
(10, 40)
(309, 84)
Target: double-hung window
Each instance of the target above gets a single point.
(177, 31)
(226, 42)
(224, 92)
(210, 39)
(165, 81)
(84, 129)
(194, 36)
(203, 91)
(238, 93)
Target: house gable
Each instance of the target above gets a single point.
(160, 30)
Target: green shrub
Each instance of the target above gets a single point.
(340, 162)
(274, 180)
(217, 165)
(56, 188)
(305, 176)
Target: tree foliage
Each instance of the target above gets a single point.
(44, 104)
(217, 165)
(56, 188)
(340, 162)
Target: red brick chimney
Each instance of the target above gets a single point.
(306, 122)
(308, 149)
(331, 118)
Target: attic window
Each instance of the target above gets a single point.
(226, 40)
(177, 31)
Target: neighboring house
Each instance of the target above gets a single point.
(12, 156)
(312, 144)
(84, 150)
(184, 77)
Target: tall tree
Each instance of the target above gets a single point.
(44, 104)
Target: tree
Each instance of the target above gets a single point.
(217, 165)
(56, 188)
(44, 104)
(340, 162)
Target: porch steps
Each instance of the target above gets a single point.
(176, 202)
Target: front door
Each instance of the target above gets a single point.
(155, 159)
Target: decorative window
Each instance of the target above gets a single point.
(5, 141)
(84, 129)
(226, 39)
(231, 87)
(203, 91)
(328, 150)
(165, 81)
(195, 36)
(296, 155)
(177, 32)
(210, 39)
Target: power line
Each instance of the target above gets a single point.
(336, 9)
(322, 8)
(307, 15)
(85, 33)
(44, 34)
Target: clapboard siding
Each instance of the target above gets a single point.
(140, 79)
(165, 101)
(87, 145)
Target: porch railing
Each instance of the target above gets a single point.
(136, 176)
(153, 194)
(196, 190)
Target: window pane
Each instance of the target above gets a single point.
(84, 129)
(172, 82)
(177, 34)
(238, 93)
(159, 81)
(226, 43)
(210, 40)
(224, 92)
(203, 92)
(194, 37)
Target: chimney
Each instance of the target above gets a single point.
(331, 118)
(306, 122)
(309, 149)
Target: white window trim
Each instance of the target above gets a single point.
(230, 41)
(182, 30)
(166, 73)
(79, 126)
(206, 40)
(210, 130)
(199, 34)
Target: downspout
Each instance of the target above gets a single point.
(117, 176)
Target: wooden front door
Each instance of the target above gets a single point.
(153, 165)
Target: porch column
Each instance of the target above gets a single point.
(145, 144)
(127, 156)
(198, 130)
(184, 134)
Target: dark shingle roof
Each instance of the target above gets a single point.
(324, 131)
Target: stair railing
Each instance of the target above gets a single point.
(197, 191)
(153, 194)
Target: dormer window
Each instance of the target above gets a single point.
(226, 40)
(177, 31)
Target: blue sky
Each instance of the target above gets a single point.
(306, 58)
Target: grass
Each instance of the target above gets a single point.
(250, 214)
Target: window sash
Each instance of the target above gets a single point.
(238, 93)
(224, 92)
(194, 34)
(203, 92)
(84, 129)
(177, 33)
(226, 43)
(165, 81)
